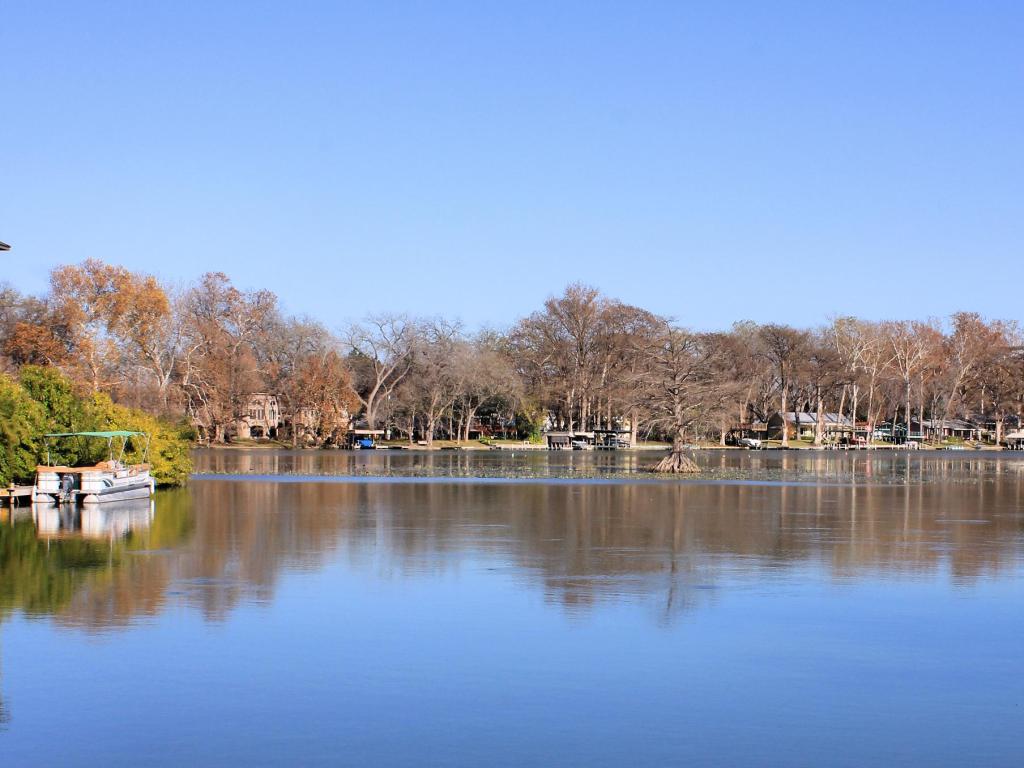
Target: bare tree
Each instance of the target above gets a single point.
(682, 384)
(219, 364)
(911, 343)
(824, 374)
(381, 348)
(485, 375)
(435, 379)
(784, 347)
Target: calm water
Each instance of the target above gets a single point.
(788, 609)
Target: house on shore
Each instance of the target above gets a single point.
(309, 426)
(930, 430)
(801, 425)
(941, 429)
(260, 417)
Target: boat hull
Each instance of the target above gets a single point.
(97, 490)
(140, 490)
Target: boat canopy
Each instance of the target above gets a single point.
(114, 433)
(109, 436)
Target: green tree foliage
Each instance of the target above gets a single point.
(169, 444)
(22, 420)
(65, 412)
(38, 578)
(530, 422)
(43, 400)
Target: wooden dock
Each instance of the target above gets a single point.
(15, 494)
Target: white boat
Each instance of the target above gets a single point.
(110, 480)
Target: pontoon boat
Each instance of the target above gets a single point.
(110, 480)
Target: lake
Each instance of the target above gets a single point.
(385, 608)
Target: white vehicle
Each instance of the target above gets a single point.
(749, 442)
(110, 480)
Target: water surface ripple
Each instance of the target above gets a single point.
(456, 609)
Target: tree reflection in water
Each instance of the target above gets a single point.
(668, 548)
(669, 545)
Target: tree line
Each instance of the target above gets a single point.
(582, 361)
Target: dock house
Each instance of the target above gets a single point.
(363, 438)
(611, 439)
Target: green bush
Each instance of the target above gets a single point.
(169, 443)
(65, 412)
(43, 401)
(22, 421)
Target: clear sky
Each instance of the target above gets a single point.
(712, 161)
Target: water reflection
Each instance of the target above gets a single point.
(54, 561)
(327, 605)
(670, 546)
(861, 467)
(113, 520)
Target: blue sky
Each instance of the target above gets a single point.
(711, 161)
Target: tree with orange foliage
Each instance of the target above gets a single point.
(112, 318)
(219, 367)
(323, 395)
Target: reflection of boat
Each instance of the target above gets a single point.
(117, 518)
(107, 481)
(109, 520)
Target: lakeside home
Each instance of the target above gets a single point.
(259, 418)
(262, 417)
(937, 429)
(802, 425)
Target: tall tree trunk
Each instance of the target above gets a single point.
(570, 407)
(842, 405)
(785, 425)
(907, 436)
(853, 414)
(819, 421)
(470, 414)
(920, 409)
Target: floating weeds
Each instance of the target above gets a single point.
(754, 476)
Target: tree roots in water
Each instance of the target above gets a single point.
(677, 462)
